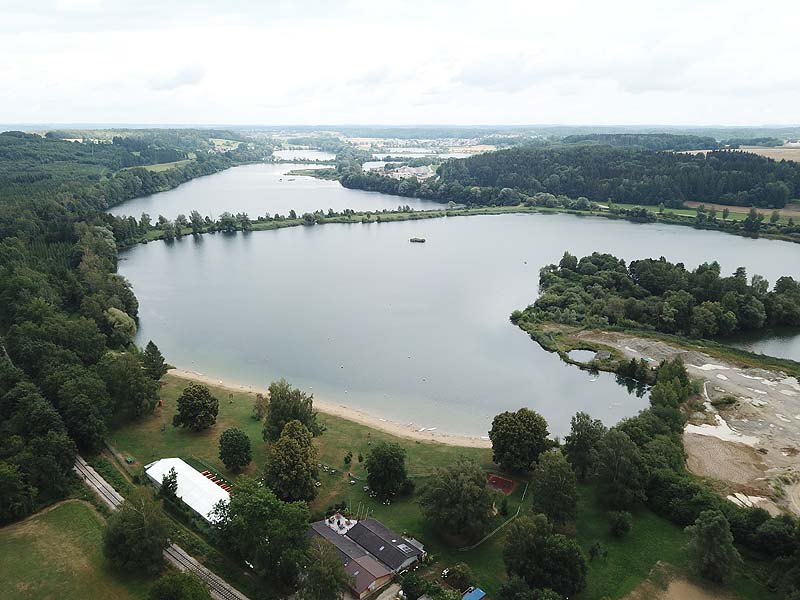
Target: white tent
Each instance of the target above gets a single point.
(194, 488)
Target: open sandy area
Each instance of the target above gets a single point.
(752, 446)
(345, 412)
(677, 589)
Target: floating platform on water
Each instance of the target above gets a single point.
(416, 240)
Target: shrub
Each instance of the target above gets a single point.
(620, 523)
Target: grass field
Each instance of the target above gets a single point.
(653, 540)
(56, 555)
(167, 166)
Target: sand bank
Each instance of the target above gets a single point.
(345, 412)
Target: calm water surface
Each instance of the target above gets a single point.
(303, 154)
(411, 332)
(259, 189)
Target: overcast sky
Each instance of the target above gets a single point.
(698, 62)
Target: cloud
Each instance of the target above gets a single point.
(186, 76)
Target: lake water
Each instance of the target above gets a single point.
(303, 154)
(779, 342)
(259, 189)
(410, 332)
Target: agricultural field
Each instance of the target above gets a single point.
(628, 563)
(780, 153)
(56, 554)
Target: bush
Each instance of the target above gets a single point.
(620, 523)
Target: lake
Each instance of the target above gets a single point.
(303, 154)
(409, 332)
(258, 189)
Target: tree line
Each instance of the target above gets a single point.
(601, 174)
(601, 290)
(69, 368)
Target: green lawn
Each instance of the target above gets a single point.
(57, 555)
(168, 165)
(653, 539)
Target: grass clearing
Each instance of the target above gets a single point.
(160, 167)
(57, 554)
(629, 562)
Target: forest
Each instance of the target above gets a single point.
(646, 141)
(602, 174)
(63, 305)
(600, 290)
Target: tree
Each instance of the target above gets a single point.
(153, 362)
(292, 464)
(460, 576)
(197, 408)
(555, 488)
(234, 449)
(259, 407)
(543, 559)
(16, 495)
(711, 547)
(457, 499)
(580, 446)
(518, 438)
(136, 534)
(179, 586)
(620, 523)
(269, 534)
(325, 576)
(386, 469)
(169, 485)
(622, 471)
(132, 392)
(288, 404)
(516, 589)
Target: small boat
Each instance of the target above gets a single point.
(417, 240)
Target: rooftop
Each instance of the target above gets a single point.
(196, 490)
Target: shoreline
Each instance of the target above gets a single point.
(345, 412)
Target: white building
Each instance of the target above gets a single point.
(198, 490)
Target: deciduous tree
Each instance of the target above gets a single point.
(136, 534)
(711, 547)
(518, 438)
(622, 471)
(234, 449)
(197, 408)
(179, 586)
(386, 469)
(543, 559)
(325, 576)
(554, 487)
(258, 527)
(292, 464)
(457, 499)
(582, 442)
(288, 404)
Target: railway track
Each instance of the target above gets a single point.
(174, 554)
(219, 589)
(106, 492)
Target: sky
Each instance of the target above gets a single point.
(459, 62)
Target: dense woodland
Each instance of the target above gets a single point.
(646, 141)
(63, 306)
(600, 173)
(601, 290)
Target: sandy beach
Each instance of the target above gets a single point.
(346, 412)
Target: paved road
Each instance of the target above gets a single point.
(174, 554)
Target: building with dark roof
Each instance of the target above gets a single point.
(371, 552)
(367, 575)
(384, 544)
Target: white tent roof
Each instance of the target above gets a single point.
(197, 491)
